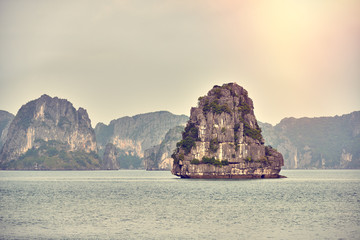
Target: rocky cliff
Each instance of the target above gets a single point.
(49, 133)
(133, 135)
(110, 157)
(159, 156)
(5, 120)
(223, 140)
(315, 143)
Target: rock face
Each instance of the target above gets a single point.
(223, 140)
(159, 156)
(110, 157)
(133, 135)
(5, 120)
(49, 133)
(317, 143)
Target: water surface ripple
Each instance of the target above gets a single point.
(312, 204)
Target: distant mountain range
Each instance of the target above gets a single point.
(324, 142)
(50, 134)
(51, 130)
(131, 136)
(306, 143)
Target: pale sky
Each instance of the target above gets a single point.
(296, 58)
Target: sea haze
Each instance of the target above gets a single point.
(309, 204)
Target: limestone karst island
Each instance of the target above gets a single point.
(222, 139)
(50, 134)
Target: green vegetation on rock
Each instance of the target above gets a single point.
(186, 144)
(190, 136)
(195, 161)
(214, 145)
(215, 107)
(191, 131)
(254, 133)
(244, 108)
(214, 161)
(52, 155)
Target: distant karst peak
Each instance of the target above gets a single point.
(50, 134)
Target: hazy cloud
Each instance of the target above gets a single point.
(116, 58)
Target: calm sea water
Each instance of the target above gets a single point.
(312, 204)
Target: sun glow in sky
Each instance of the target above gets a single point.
(119, 58)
